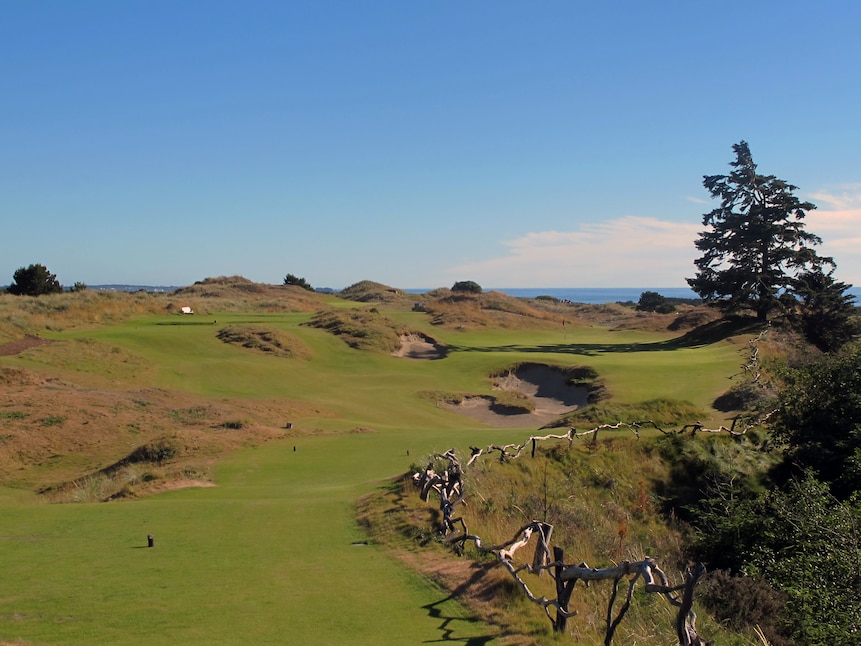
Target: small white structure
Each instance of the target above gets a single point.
(186, 310)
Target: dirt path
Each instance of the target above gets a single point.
(17, 347)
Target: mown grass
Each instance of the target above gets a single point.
(273, 553)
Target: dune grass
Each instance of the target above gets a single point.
(273, 553)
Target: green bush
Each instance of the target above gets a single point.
(744, 603)
(466, 286)
(158, 451)
(654, 302)
(34, 280)
(290, 279)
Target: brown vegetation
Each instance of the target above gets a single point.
(265, 339)
(56, 433)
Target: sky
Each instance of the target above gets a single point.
(417, 144)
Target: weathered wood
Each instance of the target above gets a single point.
(449, 487)
(563, 592)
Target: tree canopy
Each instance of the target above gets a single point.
(756, 244)
(468, 286)
(34, 280)
(654, 302)
(290, 279)
(819, 419)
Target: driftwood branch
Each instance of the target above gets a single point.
(454, 531)
(514, 451)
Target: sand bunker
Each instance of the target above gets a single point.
(419, 346)
(546, 386)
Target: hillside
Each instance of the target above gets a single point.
(115, 397)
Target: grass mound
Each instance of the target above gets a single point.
(490, 309)
(513, 402)
(238, 294)
(367, 291)
(361, 329)
(265, 339)
(662, 411)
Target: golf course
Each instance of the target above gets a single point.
(193, 479)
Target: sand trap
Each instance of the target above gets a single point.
(547, 388)
(419, 346)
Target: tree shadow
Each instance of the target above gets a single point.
(700, 336)
(448, 622)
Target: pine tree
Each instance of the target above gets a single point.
(756, 244)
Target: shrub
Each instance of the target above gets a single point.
(654, 302)
(158, 451)
(467, 287)
(290, 279)
(744, 602)
(34, 280)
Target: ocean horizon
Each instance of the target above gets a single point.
(586, 295)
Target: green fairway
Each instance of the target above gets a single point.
(272, 554)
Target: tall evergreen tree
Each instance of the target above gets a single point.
(756, 243)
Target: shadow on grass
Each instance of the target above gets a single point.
(698, 337)
(448, 623)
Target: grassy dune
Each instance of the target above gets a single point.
(272, 553)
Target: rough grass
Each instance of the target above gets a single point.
(489, 309)
(368, 291)
(663, 412)
(600, 499)
(265, 339)
(361, 329)
(257, 557)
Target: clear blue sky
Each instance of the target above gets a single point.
(517, 144)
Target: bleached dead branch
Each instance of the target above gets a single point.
(454, 531)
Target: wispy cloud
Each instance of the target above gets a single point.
(838, 222)
(626, 252)
(635, 251)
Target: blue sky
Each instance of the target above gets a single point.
(516, 144)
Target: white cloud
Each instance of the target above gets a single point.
(838, 222)
(626, 252)
(635, 251)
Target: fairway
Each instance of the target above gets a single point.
(272, 553)
(270, 556)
